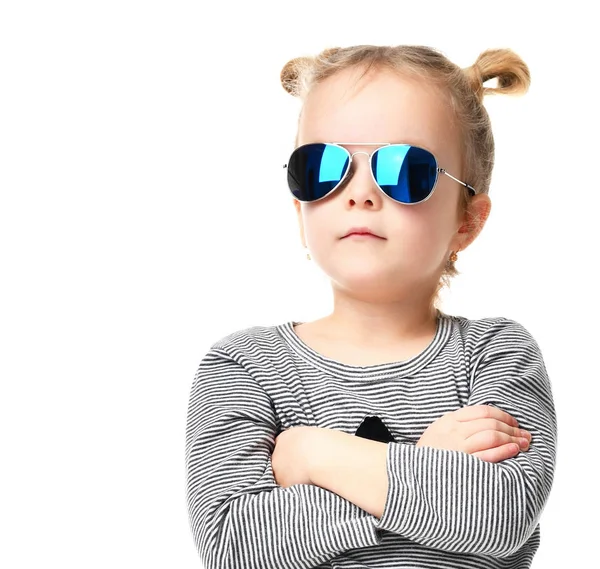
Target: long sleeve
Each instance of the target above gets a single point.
(456, 502)
(239, 516)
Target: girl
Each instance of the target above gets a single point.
(387, 433)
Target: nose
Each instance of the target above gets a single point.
(361, 188)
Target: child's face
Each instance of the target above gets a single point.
(418, 238)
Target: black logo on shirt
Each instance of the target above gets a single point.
(373, 428)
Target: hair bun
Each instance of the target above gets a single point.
(290, 74)
(299, 70)
(505, 65)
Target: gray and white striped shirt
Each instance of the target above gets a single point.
(444, 509)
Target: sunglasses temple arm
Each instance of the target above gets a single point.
(470, 188)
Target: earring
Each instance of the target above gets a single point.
(308, 256)
(453, 257)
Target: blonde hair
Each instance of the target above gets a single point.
(464, 88)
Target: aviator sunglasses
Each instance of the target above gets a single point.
(405, 173)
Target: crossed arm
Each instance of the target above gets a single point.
(353, 467)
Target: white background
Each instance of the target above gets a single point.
(144, 215)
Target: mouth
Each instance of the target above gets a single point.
(362, 235)
(361, 232)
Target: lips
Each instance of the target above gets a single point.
(362, 235)
(362, 231)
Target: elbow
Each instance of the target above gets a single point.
(513, 539)
(515, 519)
(211, 540)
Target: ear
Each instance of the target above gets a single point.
(472, 222)
(298, 207)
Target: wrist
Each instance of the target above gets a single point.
(317, 452)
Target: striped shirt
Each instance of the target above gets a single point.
(444, 508)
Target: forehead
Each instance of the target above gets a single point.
(383, 106)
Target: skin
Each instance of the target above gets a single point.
(382, 288)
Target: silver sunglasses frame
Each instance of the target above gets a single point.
(438, 169)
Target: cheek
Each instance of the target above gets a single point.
(424, 232)
(318, 223)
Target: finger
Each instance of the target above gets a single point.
(470, 412)
(478, 425)
(498, 454)
(489, 439)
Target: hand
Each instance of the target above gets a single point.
(481, 430)
(291, 457)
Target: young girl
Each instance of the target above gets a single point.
(387, 433)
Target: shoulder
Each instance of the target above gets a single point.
(245, 339)
(479, 331)
(230, 377)
(238, 354)
(488, 336)
(257, 349)
(499, 344)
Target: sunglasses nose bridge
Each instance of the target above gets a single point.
(368, 155)
(359, 152)
(353, 154)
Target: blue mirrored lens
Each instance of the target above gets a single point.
(315, 169)
(405, 173)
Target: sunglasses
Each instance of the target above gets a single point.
(405, 173)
